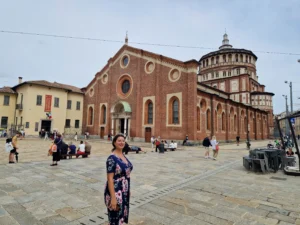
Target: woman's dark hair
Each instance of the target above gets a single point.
(115, 139)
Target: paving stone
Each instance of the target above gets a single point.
(297, 221)
(2, 212)
(4, 200)
(246, 222)
(212, 219)
(273, 209)
(69, 213)
(285, 223)
(242, 202)
(54, 220)
(260, 219)
(295, 215)
(291, 208)
(7, 220)
(266, 203)
(282, 217)
(255, 211)
(8, 187)
(20, 214)
(153, 216)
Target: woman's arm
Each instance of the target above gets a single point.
(111, 188)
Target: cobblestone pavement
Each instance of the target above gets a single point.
(178, 187)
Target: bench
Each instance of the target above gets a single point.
(64, 156)
(168, 148)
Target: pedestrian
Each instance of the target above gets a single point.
(237, 140)
(185, 140)
(75, 137)
(206, 143)
(56, 154)
(108, 137)
(81, 149)
(14, 151)
(152, 142)
(298, 136)
(157, 143)
(117, 188)
(46, 136)
(215, 147)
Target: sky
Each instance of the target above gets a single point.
(256, 25)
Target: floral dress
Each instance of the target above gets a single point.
(121, 172)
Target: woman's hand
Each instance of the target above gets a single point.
(113, 204)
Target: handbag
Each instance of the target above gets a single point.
(9, 147)
(217, 147)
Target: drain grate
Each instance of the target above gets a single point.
(277, 178)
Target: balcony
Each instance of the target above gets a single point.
(19, 106)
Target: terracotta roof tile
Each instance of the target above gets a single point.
(54, 84)
(7, 90)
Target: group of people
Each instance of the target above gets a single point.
(214, 145)
(59, 148)
(156, 142)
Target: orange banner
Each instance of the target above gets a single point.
(48, 101)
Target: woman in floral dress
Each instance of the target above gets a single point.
(117, 189)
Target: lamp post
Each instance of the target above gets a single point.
(291, 94)
(286, 112)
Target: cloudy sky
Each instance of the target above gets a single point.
(257, 25)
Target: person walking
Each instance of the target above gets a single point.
(237, 140)
(206, 143)
(56, 154)
(215, 147)
(15, 147)
(185, 140)
(152, 142)
(117, 188)
(46, 136)
(157, 143)
(75, 137)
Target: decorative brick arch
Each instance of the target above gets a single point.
(103, 114)
(231, 119)
(208, 120)
(223, 121)
(90, 115)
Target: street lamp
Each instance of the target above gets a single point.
(286, 112)
(291, 94)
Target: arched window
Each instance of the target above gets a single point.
(236, 58)
(198, 118)
(224, 73)
(175, 112)
(235, 122)
(241, 57)
(212, 60)
(90, 116)
(148, 118)
(224, 58)
(208, 121)
(150, 113)
(245, 125)
(217, 59)
(230, 58)
(223, 122)
(216, 122)
(103, 114)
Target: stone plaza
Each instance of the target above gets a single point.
(180, 187)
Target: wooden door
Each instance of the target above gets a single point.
(101, 132)
(148, 134)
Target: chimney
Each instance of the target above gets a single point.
(20, 80)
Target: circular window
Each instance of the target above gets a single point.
(91, 92)
(124, 61)
(149, 67)
(104, 78)
(174, 75)
(125, 86)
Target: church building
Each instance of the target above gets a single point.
(143, 94)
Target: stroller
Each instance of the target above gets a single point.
(9, 144)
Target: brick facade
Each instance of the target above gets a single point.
(135, 78)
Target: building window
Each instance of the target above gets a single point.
(217, 74)
(175, 112)
(27, 125)
(223, 121)
(198, 118)
(36, 126)
(69, 104)
(150, 113)
(246, 58)
(224, 58)
(90, 116)
(217, 59)
(235, 123)
(4, 122)
(224, 73)
(39, 100)
(212, 60)
(212, 75)
(68, 123)
(56, 102)
(208, 120)
(125, 86)
(125, 61)
(76, 123)
(242, 58)
(238, 71)
(21, 123)
(103, 114)
(77, 105)
(230, 58)
(236, 58)
(229, 73)
(6, 100)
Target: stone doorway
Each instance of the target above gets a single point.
(121, 115)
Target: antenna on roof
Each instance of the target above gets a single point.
(126, 38)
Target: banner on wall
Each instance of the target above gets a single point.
(48, 102)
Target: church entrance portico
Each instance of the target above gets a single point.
(120, 116)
